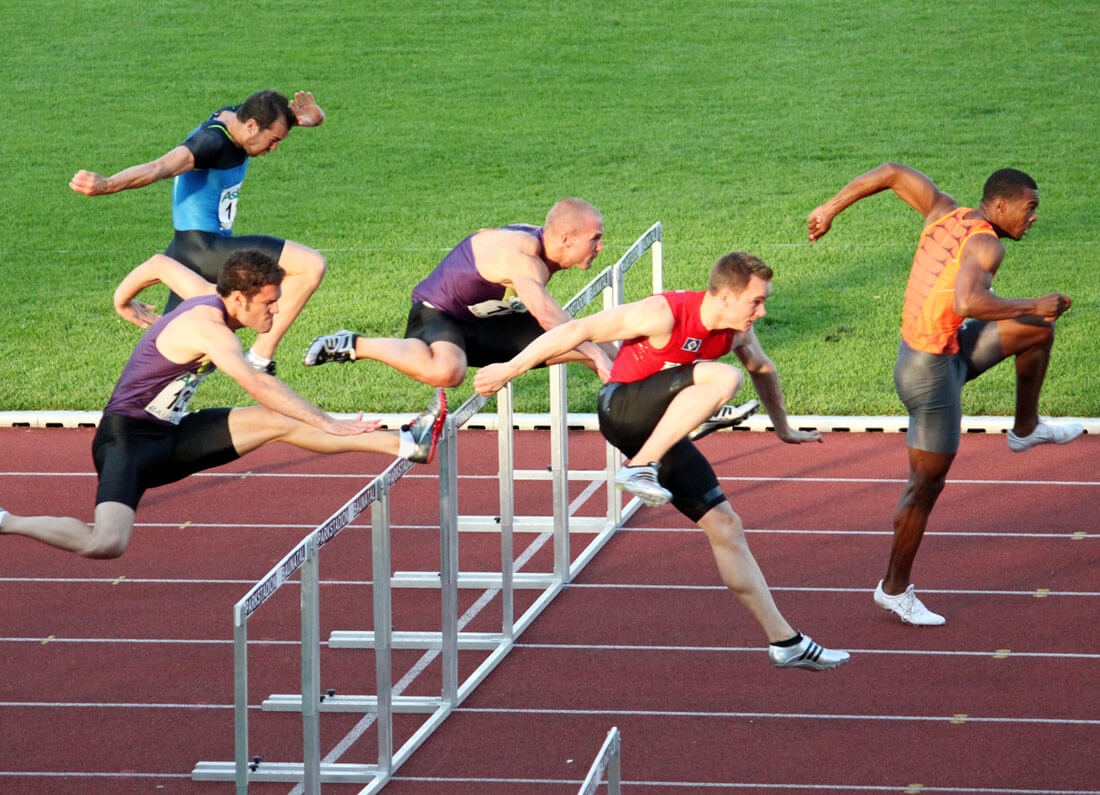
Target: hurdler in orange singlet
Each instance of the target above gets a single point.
(929, 322)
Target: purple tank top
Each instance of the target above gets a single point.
(456, 288)
(154, 388)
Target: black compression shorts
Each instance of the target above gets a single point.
(628, 413)
(485, 340)
(133, 455)
(206, 252)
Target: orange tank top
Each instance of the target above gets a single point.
(928, 321)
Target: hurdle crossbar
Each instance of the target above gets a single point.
(609, 761)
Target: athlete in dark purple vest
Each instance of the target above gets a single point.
(485, 301)
(147, 437)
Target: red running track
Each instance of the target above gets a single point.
(116, 676)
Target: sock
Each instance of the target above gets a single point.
(792, 642)
(408, 445)
(257, 360)
(3, 513)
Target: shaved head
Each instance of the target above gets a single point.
(570, 214)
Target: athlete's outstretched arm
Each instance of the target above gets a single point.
(649, 317)
(171, 164)
(765, 379)
(158, 269)
(911, 186)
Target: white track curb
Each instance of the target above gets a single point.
(585, 422)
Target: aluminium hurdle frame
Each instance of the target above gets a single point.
(312, 772)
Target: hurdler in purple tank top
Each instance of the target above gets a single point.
(153, 388)
(455, 285)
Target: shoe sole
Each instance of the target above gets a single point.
(710, 426)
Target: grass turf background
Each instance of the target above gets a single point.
(727, 122)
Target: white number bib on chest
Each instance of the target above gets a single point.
(171, 403)
(227, 206)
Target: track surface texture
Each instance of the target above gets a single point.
(117, 676)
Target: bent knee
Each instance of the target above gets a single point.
(724, 377)
(446, 377)
(105, 548)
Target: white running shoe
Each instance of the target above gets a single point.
(726, 417)
(338, 347)
(806, 654)
(642, 482)
(908, 607)
(1045, 433)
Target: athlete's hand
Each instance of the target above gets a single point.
(352, 427)
(307, 111)
(89, 183)
(138, 313)
(794, 436)
(491, 378)
(819, 221)
(1052, 306)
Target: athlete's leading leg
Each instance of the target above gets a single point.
(255, 426)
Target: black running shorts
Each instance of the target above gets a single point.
(628, 413)
(485, 340)
(206, 252)
(133, 455)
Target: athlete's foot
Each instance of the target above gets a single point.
(425, 429)
(338, 347)
(802, 652)
(725, 417)
(260, 363)
(1045, 432)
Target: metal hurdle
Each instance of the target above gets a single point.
(305, 557)
(449, 640)
(608, 760)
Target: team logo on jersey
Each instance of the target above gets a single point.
(692, 345)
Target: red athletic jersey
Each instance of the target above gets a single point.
(689, 342)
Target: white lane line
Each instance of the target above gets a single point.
(647, 713)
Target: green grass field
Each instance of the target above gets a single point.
(727, 122)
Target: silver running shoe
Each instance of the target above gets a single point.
(806, 654)
(338, 347)
(1045, 433)
(642, 483)
(725, 417)
(909, 608)
(425, 429)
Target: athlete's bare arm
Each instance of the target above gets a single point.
(171, 164)
(650, 317)
(974, 297)
(201, 334)
(911, 186)
(765, 379)
(509, 258)
(158, 269)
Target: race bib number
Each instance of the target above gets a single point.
(227, 206)
(508, 306)
(171, 403)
